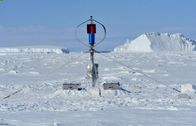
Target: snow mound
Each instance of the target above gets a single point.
(188, 88)
(57, 50)
(150, 42)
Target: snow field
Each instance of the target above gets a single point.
(41, 81)
(40, 101)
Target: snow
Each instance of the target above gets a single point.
(47, 49)
(34, 83)
(150, 42)
(117, 117)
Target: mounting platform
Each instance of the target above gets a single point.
(111, 86)
(72, 86)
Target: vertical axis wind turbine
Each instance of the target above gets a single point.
(91, 31)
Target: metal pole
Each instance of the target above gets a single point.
(93, 74)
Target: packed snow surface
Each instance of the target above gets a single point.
(150, 42)
(31, 90)
(48, 49)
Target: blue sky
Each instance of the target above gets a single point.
(52, 22)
